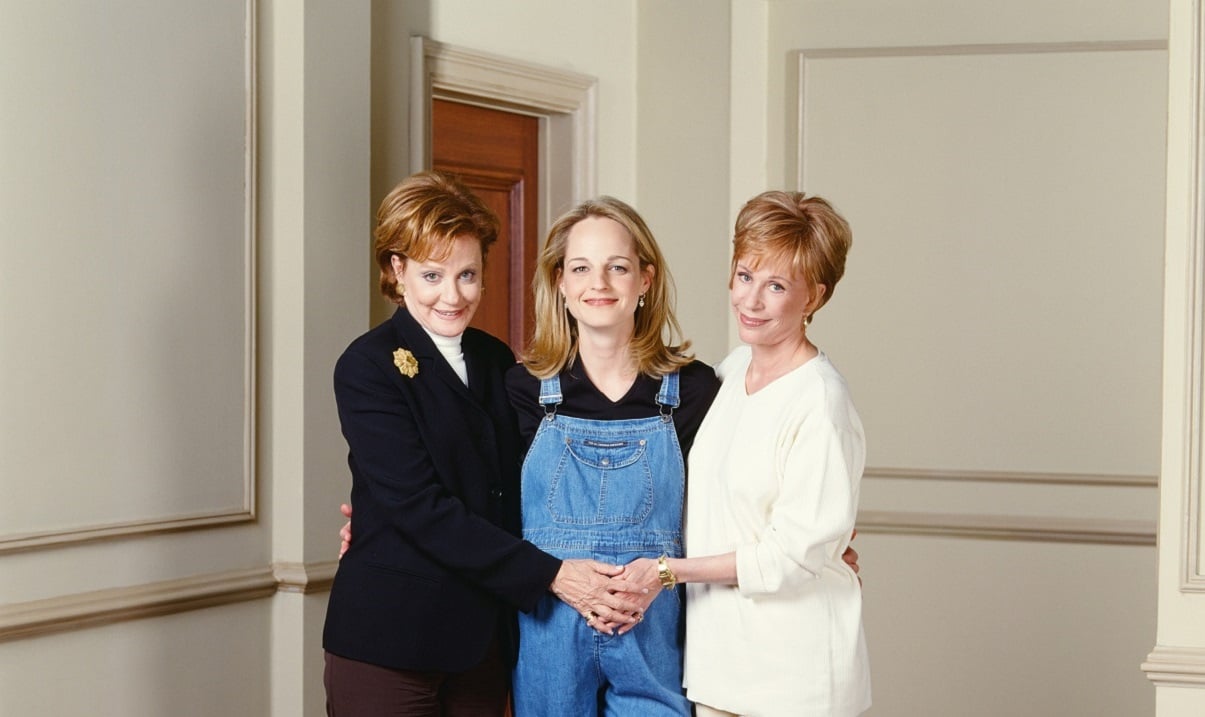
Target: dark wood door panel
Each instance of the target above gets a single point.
(496, 154)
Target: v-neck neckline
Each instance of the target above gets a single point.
(598, 391)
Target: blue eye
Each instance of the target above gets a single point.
(743, 277)
(619, 268)
(468, 275)
(777, 287)
(430, 276)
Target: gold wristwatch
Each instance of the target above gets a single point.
(668, 579)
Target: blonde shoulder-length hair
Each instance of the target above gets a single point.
(657, 346)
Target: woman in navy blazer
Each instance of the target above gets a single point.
(421, 612)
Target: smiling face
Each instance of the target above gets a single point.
(601, 277)
(770, 301)
(442, 295)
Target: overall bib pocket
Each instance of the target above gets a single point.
(601, 481)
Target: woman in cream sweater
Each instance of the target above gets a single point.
(774, 615)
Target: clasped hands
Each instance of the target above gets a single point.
(602, 593)
(614, 598)
(611, 598)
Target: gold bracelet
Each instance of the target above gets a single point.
(668, 579)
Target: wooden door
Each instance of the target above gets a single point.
(496, 154)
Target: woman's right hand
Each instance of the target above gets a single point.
(582, 584)
(641, 584)
(345, 531)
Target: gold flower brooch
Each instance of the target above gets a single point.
(405, 362)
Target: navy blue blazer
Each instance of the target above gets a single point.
(436, 565)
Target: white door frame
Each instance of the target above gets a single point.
(564, 102)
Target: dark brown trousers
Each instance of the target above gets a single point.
(359, 689)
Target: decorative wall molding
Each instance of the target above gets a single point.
(1071, 479)
(564, 101)
(93, 533)
(103, 607)
(246, 511)
(1193, 331)
(1008, 527)
(1004, 505)
(1176, 666)
(1060, 529)
(1015, 48)
(798, 69)
(305, 578)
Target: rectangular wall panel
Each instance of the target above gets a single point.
(998, 316)
(126, 268)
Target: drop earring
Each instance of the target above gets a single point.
(640, 303)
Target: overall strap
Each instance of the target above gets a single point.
(668, 397)
(550, 394)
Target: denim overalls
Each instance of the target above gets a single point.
(610, 491)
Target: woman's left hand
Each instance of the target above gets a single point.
(850, 556)
(585, 586)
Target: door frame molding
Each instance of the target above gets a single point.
(565, 103)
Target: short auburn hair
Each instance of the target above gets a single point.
(804, 231)
(422, 217)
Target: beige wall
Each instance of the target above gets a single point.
(651, 76)
(682, 158)
(199, 663)
(133, 491)
(1000, 328)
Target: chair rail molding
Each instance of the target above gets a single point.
(1068, 479)
(977, 520)
(77, 611)
(1176, 666)
(1008, 527)
(305, 578)
(102, 607)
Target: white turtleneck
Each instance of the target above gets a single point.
(449, 346)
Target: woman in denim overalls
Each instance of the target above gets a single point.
(606, 405)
